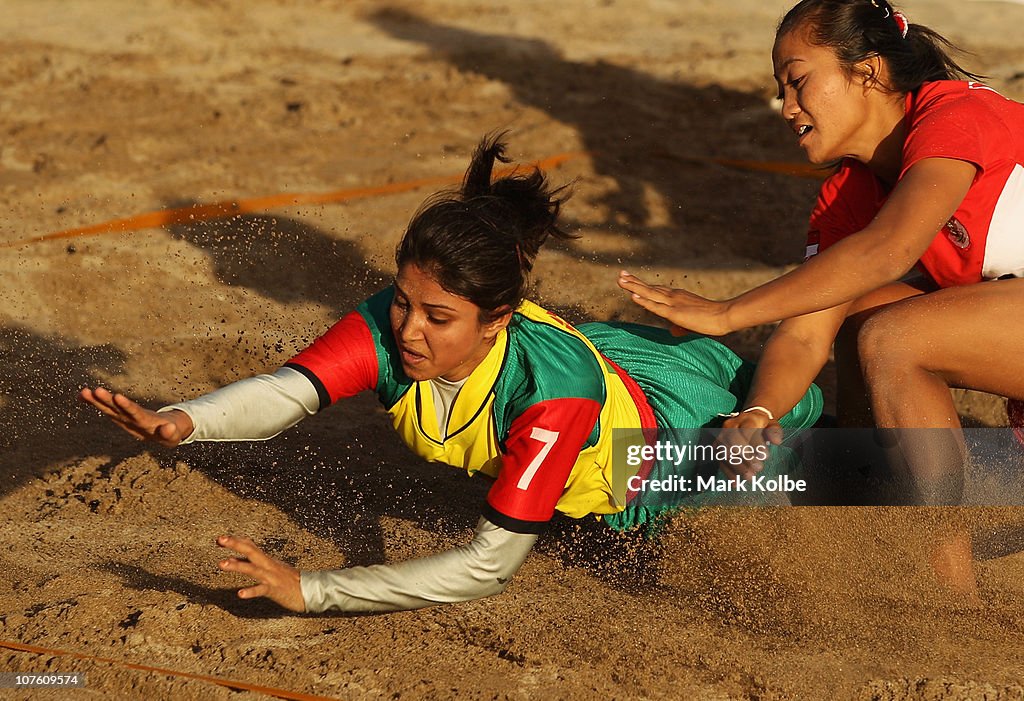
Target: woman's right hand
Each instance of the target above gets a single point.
(687, 311)
(168, 428)
(750, 433)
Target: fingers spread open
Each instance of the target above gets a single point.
(99, 398)
(247, 549)
(276, 580)
(235, 564)
(127, 407)
(253, 592)
(240, 544)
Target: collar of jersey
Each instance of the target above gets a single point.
(474, 397)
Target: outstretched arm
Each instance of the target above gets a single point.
(542, 447)
(255, 408)
(340, 363)
(919, 206)
(483, 567)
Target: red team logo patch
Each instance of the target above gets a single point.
(957, 233)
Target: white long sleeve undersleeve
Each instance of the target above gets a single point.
(253, 409)
(258, 408)
(483, 567)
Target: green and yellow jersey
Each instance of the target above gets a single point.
(538, 413)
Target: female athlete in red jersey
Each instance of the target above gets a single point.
(930, 175)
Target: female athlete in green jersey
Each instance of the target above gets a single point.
(474, 376)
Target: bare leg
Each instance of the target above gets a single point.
(852, 406)
(911, 353)
(953, 562)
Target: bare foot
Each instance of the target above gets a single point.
(953, 563)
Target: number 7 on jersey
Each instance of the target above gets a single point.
(547, 438)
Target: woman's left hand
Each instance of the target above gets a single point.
(687, 312)
(278, 581)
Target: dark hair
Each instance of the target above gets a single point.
(480, 241)
(859, 29)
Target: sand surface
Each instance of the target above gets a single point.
(112, 109)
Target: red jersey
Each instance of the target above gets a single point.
(967, 121)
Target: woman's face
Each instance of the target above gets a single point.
(824, 105)
(439, 334)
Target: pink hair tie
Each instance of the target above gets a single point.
(902, 23)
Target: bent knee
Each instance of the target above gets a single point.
(887, 346)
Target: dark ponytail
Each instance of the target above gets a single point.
(859, 29)
(480, 242)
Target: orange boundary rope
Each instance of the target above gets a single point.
(229, 683)
(229, 208)
(797, 170)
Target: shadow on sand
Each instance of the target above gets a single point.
(645, 133)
